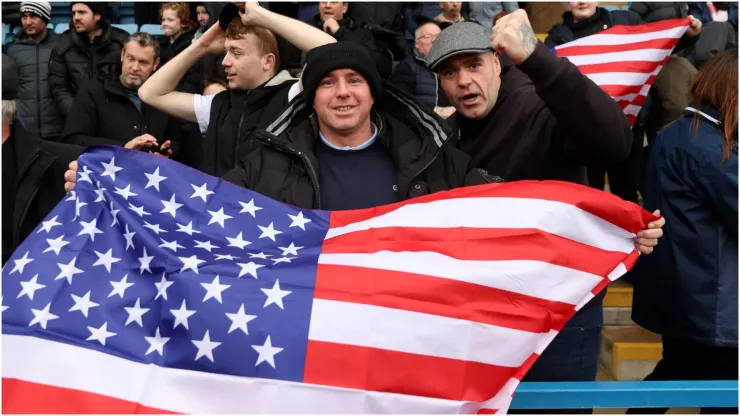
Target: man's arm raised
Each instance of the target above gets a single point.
(159, 90)
(299, 34)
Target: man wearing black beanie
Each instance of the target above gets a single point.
(353, 141)
(90, 49)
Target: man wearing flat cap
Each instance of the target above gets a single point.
(539, 119)
(33, 169)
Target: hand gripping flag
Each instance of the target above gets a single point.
(624, 60)
(156, 288)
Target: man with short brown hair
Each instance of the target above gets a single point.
(257, 87)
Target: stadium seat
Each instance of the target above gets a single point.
(60, 20)
(6, 30)
(130, 28)
(61, 28)
(127, 20)
(154, 30)
(17, 29)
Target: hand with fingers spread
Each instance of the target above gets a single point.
(513, 35)
(251, 16)
(647, 239)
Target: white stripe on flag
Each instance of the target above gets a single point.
(646, 55)
(603, 39)
(38, 360)
(632, 109)
(528, 277)
(419, 333)
(619, 78)
(511, 213)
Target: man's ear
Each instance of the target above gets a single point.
(156, 65)
(123, 51)
(269, 62)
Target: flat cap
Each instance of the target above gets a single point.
(463, 37)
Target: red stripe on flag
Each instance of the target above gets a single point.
(647, 28)
(579, 50)
(601, 204)
(441, 297)
(24, 397)
(490, 244)
(487, 411)
(639, 100)
(644, 67)
(373, 369)
(620, 90)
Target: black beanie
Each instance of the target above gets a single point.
(100, 7)
(340, 55)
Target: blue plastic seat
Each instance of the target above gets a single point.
(130, 28)
(154, 30)
(61, 28)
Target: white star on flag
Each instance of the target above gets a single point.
(68, 270)
(266, 352)
(249, 268)
(205, 347)
(269, 232)
(125, 192)
(156, 343)
(250, 208)
(238, 242)
(30, 287)
(182, 315)
(299, 221)
(89, 228)
(239, 320)
(110, 169)
(291, 249)
(42, 316)
(201, 192)
(106, 259)
(129, 236)
(162, 287)
(218, 217)
(56, 244)
(47, 225)
(145, 261)
(214, 290)
(82, 304)
(170, 207)
(21, 263)
(154, 179)
(138, 210)
(172, 245)
(188, 229)
(136, 313)
(119, 288)
(275, 295)
(84, 175)
(154, 227)
(190, 263)
(206, 245)
(99, 334)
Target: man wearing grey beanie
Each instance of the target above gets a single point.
(31, 50)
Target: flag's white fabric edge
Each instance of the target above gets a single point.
(61, 365)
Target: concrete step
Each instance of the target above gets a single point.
(629, 352)
(618, 304)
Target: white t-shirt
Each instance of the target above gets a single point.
(202, 105)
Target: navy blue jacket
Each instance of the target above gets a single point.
(688, 287)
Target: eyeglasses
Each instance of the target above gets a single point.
(432, 37)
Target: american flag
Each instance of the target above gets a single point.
(156, 288)
(624, 60)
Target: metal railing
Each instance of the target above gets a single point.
(625, 394)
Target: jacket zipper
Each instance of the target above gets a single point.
(239, 129)
(38, 93)
(311, 171)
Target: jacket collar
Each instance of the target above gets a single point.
(707, 113)
(26, 149)
(82, 40)
(601, 15)
(23, 38)
(237, 97)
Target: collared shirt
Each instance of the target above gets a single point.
(364, 145)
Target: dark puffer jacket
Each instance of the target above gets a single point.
(285, 167)
(602, 19)
(190, 83)
(653, 11)
(73, 64)
(413, 76)
(35, 104)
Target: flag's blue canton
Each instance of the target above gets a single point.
(123, 199)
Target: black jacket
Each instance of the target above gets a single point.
(533, 132)
(603, 19)
(72, 64)
(385, 21)
(35, 104)
(284, 167)
(350, 30)
(413, 76)
(190, 83)
(38, 185)
(103, 113)
(235, 115)
(653, 11)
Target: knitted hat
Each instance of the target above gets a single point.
(99, 7)
(10, 79)
(41, 9)
(340, 55)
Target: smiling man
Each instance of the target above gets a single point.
(110, 112)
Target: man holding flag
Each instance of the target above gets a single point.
(540, 119)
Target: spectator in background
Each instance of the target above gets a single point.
(653, 11)
(146, 13)
(111, 112)
(687, 290)
(413, 76)
(31, 169)
(179, 30)
(450, 12)
(669, 94)
(257, 88)
(30, 50)
(203, 18)
(526, 122)
(334, 20)
(215, 85)
(484, 12)
(385, 21)
(90, 50)
(714, 12)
